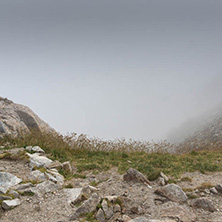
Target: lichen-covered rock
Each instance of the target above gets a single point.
(172, 192)
(133, 175)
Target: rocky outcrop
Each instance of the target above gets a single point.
(16, 118)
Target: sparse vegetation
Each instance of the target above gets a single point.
(97, 155)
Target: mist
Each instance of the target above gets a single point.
(132, 69)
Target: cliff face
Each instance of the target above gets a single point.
(16, 118)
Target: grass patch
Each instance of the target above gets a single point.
(186, 179)
(97, 155)
(81, 176)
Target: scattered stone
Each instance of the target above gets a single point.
(89, 190)
(72, 193)
(37, 176)
(218, 188)
(4, 197)
(132, 175)
(14, 193)
(67, 166)
(207, 191)
(100, 215)
(3, 190)
(37, 149)
(205, 204)
(140, 219)
(116, 217)
(55, 165)
(161, 181)
(126, 218)
(45, 187)
(137, 210)
(179, 214)
(166, 179)
(87, 206)
(8, 180)
(173, 192)
(117, 208)
(213, 190)
(59, 178)
(108, 210)
(23, 186)
(9, 204)
(38, 161)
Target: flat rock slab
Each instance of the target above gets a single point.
(8, 180)
(172, 192)
(9, 204)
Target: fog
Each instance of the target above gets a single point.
(113, 69)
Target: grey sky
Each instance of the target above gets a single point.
(125, 68)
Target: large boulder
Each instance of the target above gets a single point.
(16, 118)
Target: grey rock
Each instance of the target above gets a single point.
(108, 210)
(213, 190)
(16, 119)
(173, 192)
(218, 188)
(72, 194)
(58, 177)
(204, 203)
(87, 206)
(38, 161)
(8, 180)
(36, 149)
(23, 186)
(132, 175)
(55, 165)
(179, 214)
(166, 179)
(9, 204)
(100, 216)
(45, 187)
(117, 208)
(14, 193)
(140, 219)
(4, 197)
(161, 181)
(89, 190)
(67, 166)
(37, 176)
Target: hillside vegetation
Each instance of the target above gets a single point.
(97, 155)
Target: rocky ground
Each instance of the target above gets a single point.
(31, 189)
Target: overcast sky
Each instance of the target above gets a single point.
(111, 69)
